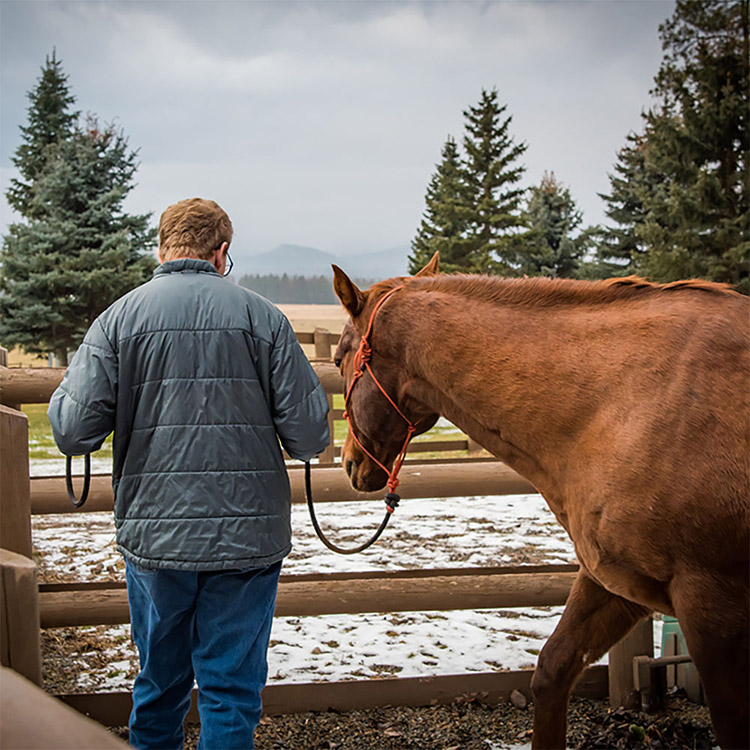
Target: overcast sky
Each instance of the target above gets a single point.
(320, 123)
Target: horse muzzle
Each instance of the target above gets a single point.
(364, 474)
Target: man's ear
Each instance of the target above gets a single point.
(219, 261)
(158, 256)
(346, 290)
(432, 268)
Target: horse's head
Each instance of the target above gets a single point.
(380, 427)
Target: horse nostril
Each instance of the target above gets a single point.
(348, 466)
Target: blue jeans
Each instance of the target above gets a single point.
(211, 627)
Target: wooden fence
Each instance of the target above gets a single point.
(26, 606)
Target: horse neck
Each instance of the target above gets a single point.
(518, 379)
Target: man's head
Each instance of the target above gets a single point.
(195, 228)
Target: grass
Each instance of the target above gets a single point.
(41, 442)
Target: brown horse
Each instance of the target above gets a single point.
(625, 403)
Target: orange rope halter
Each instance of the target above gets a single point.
(362, 359)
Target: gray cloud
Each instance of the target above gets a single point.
(320, 123)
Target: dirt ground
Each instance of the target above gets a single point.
(468, 725)
(474, 725)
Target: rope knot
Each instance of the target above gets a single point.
(391, 501)
(364, 355)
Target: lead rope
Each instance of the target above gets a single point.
(328, 543)
(78, 502)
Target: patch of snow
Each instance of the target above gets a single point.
(407, 644)
(55, 467)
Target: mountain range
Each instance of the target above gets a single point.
(298, 260)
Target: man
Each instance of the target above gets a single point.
(197, 378)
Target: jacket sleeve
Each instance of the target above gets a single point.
(300, 407)
(82, 409)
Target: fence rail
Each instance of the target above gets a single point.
(35, 385)
(113, 709)
(419, 479)
(482, 588)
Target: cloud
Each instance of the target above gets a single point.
(168, 57)
(321, 122)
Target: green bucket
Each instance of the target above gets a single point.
(683, 676)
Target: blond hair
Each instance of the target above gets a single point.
(193, 228)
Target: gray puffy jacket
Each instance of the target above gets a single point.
(196, 377)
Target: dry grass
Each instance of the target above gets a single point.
(308, 317)
(18, 358)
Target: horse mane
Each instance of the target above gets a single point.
(546, 291)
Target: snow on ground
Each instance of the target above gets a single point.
(55, 467)
(430, 533)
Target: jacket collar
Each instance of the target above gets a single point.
(185, 265)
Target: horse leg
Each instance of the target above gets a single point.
(594, 620)
(713, 616)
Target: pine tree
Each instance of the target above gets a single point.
(553, 246)
(625, 208)
(492, 176)
(80, 251)
(50, 119)
(443, 226)
(684, 210)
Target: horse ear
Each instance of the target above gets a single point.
(346, 290)
(432, 268)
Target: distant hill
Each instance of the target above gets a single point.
(290, 259)
(299, 260)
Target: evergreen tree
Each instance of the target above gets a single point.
(80, 251)
(50, 119)
(492, 175)
(443, 227)
(629, 187)
(684, 210)
(550, 247)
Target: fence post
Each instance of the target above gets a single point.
(474, 447)
(20, 643)
(638, 642)
(322, 342)
(4, 363)
(35, 719)
(15, 503)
